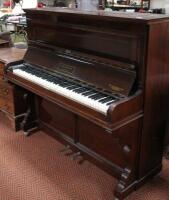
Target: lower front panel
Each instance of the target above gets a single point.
(56, 118)
(119, 147)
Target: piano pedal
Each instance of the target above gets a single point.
(30, 131)
(67, 147)
(26, 133)
(69, 153)
(76, 155)
(81, 161)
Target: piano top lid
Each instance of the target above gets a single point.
(146, 18)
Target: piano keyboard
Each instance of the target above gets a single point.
(82, 94)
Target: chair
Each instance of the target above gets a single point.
(7, 36)
(19, 29)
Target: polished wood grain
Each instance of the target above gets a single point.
(8, 55)
(128, 52)
(156, 96)
(1, 70)
(97, 14)
(79, 69)
(11, 98)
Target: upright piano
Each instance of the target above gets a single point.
(99, 82)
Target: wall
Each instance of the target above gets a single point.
(160, 4)
(29, 3)
(47, 2)
(154, 3)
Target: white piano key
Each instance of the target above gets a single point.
(70, 94)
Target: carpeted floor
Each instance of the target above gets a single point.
(33, 169)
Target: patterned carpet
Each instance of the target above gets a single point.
(33, 169)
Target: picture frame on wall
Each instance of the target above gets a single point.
(135, 2)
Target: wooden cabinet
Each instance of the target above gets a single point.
(6, 97)
(11, 97)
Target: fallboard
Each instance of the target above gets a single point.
(110, 77)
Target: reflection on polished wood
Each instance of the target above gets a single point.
(125, 55)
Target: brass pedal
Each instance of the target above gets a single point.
(67, 147)
(30, 131)
(76, 155)
(69, 153)
(81, 161)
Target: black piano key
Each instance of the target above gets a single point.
(89, 93)
(80, 87)
(109, 103)
(52, 80)
(106, 99)
(93, 95)
(56, 80)
(70, 86)
(23, 68)
(73, 87)
(49, 77)
(89, 90)
(81, 90)
(97, 96)
(100, 98)
(63, 84)
(43, 76)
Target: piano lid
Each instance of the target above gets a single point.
(109, 15)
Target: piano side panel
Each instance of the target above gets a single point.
(156, 102)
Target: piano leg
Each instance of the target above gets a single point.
(29, 123)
